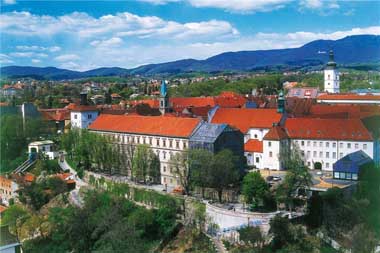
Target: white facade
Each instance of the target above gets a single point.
(327, 152)
(82, 119)
(254, 159)
(45, 147)
(255, 134)
(272, 154)
(331, 80)
(163, 146)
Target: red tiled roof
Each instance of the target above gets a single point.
(349, 111)
(63, 176)
(2, 208)
(348, 97)
(330, 129)
(276, 133)
(150, 125)
(192, 101)
(58, 114)
(84, 108)
(29, 177)
(244, 119)
(253, 146)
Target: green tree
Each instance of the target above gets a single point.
(179, 164)
(280, 230)
(140, 163)
(224, 173)
(14, 217)
(200, 163)
(254, 188)
(252, 235)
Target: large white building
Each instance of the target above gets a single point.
(81, 116)
(165, 135)
(254, 124)
(331, 76)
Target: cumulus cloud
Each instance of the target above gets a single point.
(241, 5)
(5, 59)
(28, 54)
(38, 48)
(36, 61)
(120, 24)
(112, 42)
(10, 2)
(67, 57)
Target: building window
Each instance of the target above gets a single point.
(164, 143)
(364, 146)
(170, 143)
(334, 144)
(269, 144)
(89, 116)
(334, 155)
(340, 145)
(327, 144)
(302, 143)
(327, 154)
(184, 145)
(348, 145)
(177, 144)
(314, 153)
(303, 153)
(164, 155)
(257, 159)
(150, 140)
(340, 155)
(327, 165)
(164, 168)
(158, 142)
(144, 140)
(356, 145)
(270, 154)
(75, 116)
(255, 136)
(314, 143)
(171, 180)
(308, 164)
(321, 154)
(308, 143)
(321, 144)
(308, 153)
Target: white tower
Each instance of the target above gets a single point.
(331, 75)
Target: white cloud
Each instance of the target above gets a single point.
(241, 5)
(70, 65)
(36, 61)
(112, 42)
(10, 2)
(38, 48)
(120, 24)
(323, 7)
(5, 59)
(28, 54)
(67, 57)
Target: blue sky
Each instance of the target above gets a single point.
(82, 35)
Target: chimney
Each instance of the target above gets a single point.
(83, 98)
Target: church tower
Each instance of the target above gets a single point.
(164, 98)
(331, 75)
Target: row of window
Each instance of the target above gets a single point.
(166, 143)
(327, 144)
(89, 116)
(170, 180)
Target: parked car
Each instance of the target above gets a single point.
(269, 178)
(276, 178)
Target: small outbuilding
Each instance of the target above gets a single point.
(348, 167)
(44, 147)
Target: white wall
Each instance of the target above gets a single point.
(252, 159)
(256, 134)
(82, 119)
(271, 154)
(331, 79)
(327, 152)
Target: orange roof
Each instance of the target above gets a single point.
(244, 119)
(29, 177)
(84, 108)
(63, 176)
(4, 104)
(2, 208)
(349, 111)
(115, 95)
(150, 125)
(192, 101)
(253, 146)
(276, 133)
(57, 114)
(350, 96)
(330, 129)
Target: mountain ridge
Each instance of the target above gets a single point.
(354, 49)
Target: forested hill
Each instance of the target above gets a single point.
(350, 50)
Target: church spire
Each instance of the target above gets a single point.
(163, 90)
(331, 63)
(164, 98)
